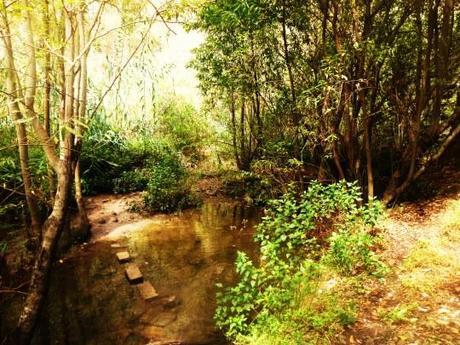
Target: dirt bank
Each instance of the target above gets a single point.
(419, 301)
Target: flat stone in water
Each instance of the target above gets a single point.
(147, 290)
(134, 274)
(123, 257)
(170, 302)
(153, 332)
(117, 245)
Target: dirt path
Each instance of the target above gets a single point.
(107, 212)
(419, 301)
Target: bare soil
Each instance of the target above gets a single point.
(418, 302)
(107, 212)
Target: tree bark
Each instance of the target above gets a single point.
(52, 230)
(81, 115)
(367, 146)
(13, 105)
(391, 193)
(47, 98)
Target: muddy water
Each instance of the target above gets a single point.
(183, 256)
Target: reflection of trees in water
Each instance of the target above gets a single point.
(187, 255)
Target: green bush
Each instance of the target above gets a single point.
(302, 239)
(131, 181)
(184, 127)
(104, 157)
(248, 185)
(167, 189)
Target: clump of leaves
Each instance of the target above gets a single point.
(167, 188)
(399, 313)
(327, 226)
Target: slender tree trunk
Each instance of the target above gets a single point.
(47, 98)
(81, 115)
(442, 63)
(52, 230)
(32, 205)
(367, 145)
(13, 105)
(287, 59)
(243, 147)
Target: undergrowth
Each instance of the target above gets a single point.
(114, 163)
(316, 250)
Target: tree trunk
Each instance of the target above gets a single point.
(394, 191)
(367, 146)
(81, 114)
(32, 205)
(47, 99)
(83, 216)
(13, 105)
(52, 230)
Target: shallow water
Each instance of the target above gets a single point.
(185, 255)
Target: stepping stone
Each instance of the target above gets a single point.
(170, 302)
(123, 257)
(134, 275)
(147, 290)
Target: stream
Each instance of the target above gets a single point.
(184, 255)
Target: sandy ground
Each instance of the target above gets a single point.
(107, 212)
(418, 302)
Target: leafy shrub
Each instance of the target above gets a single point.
(167, 189)
(301, 237)
(185, 128)
(352, 252)
(131, 181)
(104, 157)
(249, 185)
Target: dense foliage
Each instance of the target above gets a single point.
(322, 235)
(364, 91)
(113, 162)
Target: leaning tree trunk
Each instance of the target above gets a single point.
(52, 230)
(394, 191)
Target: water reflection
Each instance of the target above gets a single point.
(183, 256)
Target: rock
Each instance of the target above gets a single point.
(196, 262)
(102, 221)
(170, 302)
(133, 274)
(115, 220)
(443, 310)
(153, 332)
(147, 291)
(220, 270)
(165, 318)
(123, 257)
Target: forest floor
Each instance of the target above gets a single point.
(418, 302)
